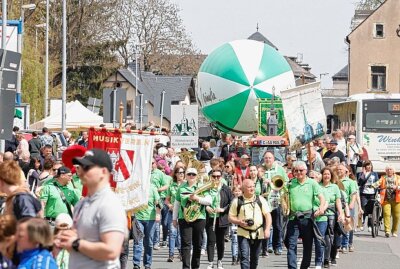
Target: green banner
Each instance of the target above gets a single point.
(264, 108)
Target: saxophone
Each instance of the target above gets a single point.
(278, 184)
(192, 211)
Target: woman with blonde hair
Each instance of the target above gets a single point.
(34, 239)
(389, 186)
(20, 202)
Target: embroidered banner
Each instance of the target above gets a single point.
(134, 169)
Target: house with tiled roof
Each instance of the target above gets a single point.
(178, 90)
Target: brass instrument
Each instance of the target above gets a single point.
(278, 184)
(192, 211)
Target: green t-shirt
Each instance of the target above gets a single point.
(303, 195)
(350, 187)
(171, 191)
(149, 213)
(167, 180)
(316, 204)
(215, 199)
(183, 199)
(76, 185)
(50, 195)
(332, 192)
(157, 178)
(258, 186)
(275, 170)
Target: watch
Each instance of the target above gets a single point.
(75, 244)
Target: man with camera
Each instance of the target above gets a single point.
(252, 215)
(302, 192)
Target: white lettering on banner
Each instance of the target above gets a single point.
(134, 192)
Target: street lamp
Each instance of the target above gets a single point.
(64, 66)
(42, 25)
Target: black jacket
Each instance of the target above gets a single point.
(225, 203)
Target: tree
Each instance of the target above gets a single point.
(165, 47)
(369, 4)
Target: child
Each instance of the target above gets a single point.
(237, 191)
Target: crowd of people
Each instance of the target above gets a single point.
(199, 199)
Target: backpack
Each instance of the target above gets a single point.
(240, 204)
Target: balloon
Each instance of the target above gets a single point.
(233, 77)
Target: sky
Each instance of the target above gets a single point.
(314, 28)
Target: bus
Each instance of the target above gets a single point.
(375, 121)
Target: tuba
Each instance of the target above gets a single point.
(192, 211)
(278, 184)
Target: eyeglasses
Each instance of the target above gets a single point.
(299, 170)
(216, 177)
(180, 172)
(191, 174)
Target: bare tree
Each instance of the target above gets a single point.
(369, 4)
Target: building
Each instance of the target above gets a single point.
(374, 51)
(178, 90)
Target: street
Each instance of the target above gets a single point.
(370, 253)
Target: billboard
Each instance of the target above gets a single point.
(304, 114)
(184, 125)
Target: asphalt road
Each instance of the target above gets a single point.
(370, 253)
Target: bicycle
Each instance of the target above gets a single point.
(376, 216)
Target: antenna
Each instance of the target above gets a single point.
(257, 28)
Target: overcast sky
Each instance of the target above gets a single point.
(314, 28)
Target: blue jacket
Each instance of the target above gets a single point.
(36, 259)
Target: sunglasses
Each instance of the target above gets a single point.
(180, 172)
(299, 170)
(191, 174)
(216, 177)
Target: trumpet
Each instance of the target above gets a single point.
(278, 184)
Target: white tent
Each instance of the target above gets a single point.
(77, 116)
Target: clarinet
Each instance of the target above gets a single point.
(214, 221)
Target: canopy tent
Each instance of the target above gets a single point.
(77, 116)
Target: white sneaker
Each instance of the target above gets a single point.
(369, 229)
(203, 252)
(318, 267)
(210, 265)
(337, 255)
(219, 265)
(394, 235)
(362, 228)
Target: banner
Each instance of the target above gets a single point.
(304, 114)
(184, 122)
(264, 116)
(111, 143)
(134, 167)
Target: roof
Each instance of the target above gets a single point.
(151, 86)
(347, 38)
(298, 70)
(343, 73)
(257, 36)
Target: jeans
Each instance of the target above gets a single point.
(249, 252)
(147, 228)
(215, 237)
(174, 237)
(330, 239)
(234, 242)
(320, 249)
(267, 243)
(166, 218)
(123, 257)
(304, 229)
(156, 234)
(191, 234)
(277, 222)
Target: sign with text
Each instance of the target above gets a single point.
(264, 114)
(134, 166)
(184, 125)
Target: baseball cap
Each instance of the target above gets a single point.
(62, 170)
(352, 137)
(94, 157)
(333, 142)
(63, 220)
(191, 171)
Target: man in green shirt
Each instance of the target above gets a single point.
(302, 192)
(57, 197)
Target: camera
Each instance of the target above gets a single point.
(250, 222)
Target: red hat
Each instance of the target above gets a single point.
(72, 152)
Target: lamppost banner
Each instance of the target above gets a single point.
(184, 126)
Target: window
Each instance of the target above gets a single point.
(174, 102)
(129, 106)
(378, 78)
(379, 33)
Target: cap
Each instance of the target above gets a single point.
(94, 157)
(63, 221)
(245, 156)
(62, 170)
(191, 171)
(352, 137)
(333, 142)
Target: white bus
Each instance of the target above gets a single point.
(375, 121)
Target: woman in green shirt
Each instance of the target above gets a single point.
(178, 177)
(191, 232)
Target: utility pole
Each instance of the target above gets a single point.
(64, 66)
